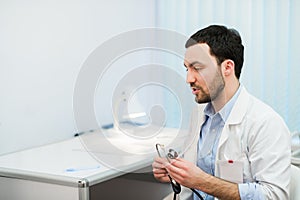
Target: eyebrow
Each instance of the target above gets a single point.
(193, 63)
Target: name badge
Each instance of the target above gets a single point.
(231, 170)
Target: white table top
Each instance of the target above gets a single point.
(94, 157)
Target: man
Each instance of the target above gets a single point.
(240, 148)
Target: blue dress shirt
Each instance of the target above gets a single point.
(208, 143)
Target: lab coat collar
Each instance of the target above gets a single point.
(236, 116)
(239, 109)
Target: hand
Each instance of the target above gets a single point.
(189, 175)
(159, 170)
(186, 173)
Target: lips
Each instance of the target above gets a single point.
(195, 90)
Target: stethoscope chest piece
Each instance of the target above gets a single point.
(172, 154)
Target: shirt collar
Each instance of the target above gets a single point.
(225, 111)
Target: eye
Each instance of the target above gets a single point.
(197, 67)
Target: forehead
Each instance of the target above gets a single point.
(199, 52)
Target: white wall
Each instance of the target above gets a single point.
(42, 47)
(270, 34)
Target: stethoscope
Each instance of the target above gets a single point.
(172, 154)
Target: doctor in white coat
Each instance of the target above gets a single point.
(238, 147)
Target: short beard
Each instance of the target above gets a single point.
(205, 98)
(218, 84)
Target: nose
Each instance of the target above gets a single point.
(190, 78)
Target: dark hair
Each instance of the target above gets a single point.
(224, 44)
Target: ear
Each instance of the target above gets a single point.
(228, 67)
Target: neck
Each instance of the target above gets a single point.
(227, 93)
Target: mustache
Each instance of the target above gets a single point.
(193, 85)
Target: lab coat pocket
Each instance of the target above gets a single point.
(231, 170)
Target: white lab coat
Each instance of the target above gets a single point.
(254, 134)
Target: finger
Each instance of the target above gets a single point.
(173, 168)
(162, 178)
(178, 162)
(175, 173)
(159, 171)
(169, 167)
(160, 160)
(160, 175)
(158, 165)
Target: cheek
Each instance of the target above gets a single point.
(208, 76)
(203, 79)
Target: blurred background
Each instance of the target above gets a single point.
(43, 45)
